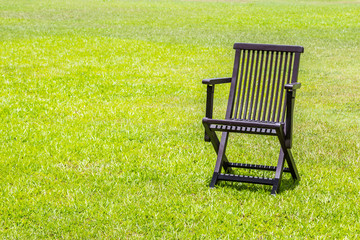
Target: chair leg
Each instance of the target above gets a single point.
(220, 158)
(292, 166)
(288, 155)
(278, 173)
(216, 144)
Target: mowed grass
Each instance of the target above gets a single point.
(101, 105)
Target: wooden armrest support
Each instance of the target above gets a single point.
(210, 96)
(293, 86)
(216, 81)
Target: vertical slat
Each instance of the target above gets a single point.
(277, 88)
(291, 63)
(272, 86)
(296, 67)
(248, 95)
(240, 83)
(258, 86)
(245, 84)
(268, 87)
(282, 90)
(230, 106)
(254, 85)
(263, 85)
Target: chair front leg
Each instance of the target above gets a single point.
(217, 147)
(278, 173)
(288, 155)
(220, 158)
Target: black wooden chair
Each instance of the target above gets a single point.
(261, 101)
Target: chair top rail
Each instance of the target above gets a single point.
(269, 47)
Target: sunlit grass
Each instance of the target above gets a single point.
(101, 105)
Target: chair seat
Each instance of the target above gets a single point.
(243, 126)
(252, 130)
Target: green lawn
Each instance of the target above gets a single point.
(101, 105)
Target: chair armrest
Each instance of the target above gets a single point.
(293, 86)
(216, 81)
(210, 96)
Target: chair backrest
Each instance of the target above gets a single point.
(259, 76)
